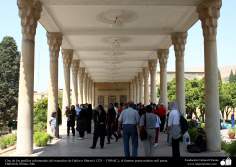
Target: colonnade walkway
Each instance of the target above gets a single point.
(72, 146)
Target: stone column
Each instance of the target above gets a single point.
(179, 41)
(54, 42)
(29, 12)
(75, 69)
(89, 90)
(163, 57)
(93, 94)
(209, 12)
(67, 55)
(140, 78)
(88, 87)
(137, 89)
(153, 68)
(81, 85)
(146, 85)
(85, 88)
(131, 91)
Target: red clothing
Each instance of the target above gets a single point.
(161, 111)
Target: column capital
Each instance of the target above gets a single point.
(152, 64)
(179, 41)
(29, 12)
(54, 42)
(75, 66)
(67, 55)
(163, 55)
(209, 12)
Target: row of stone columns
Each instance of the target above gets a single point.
(29, 12)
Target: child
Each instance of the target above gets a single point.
(52, 123)
(157, 130)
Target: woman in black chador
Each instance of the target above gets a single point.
(99, 119)
(111, 123)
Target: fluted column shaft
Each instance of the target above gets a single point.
(209, 12)
(29, 12)
(54, 42)
(85, 88)
(153, 68)
(67, 59)
(81, 85)
(137, 89)
(75, 70)
(163, 57)
(131, 91)
(140, 79)
(146, 85)
(179, 41)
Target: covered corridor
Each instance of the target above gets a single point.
(115, 41)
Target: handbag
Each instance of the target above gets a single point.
(143, 132)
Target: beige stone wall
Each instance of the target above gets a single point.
(111, 89)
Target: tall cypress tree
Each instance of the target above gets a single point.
(9, 80)
(231, 76)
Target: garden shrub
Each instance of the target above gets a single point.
(41, 139)
(7, 140)
(229, 148)
(193, 132)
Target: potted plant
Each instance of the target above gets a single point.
(231, 133)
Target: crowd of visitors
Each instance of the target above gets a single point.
(130, 121)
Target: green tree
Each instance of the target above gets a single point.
(232, 76)
(9, 80)
(40, 114)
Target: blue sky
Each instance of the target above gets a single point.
(226, 41)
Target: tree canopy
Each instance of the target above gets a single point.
(9, 80)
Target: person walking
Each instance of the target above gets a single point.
(161, 111)
(99, 119)
(111, 119)
(174, 129)
(148, 121)
(129, 119)
(158, 123)
(81, 122)
(70, 114)
(52, 123)
(89, 118)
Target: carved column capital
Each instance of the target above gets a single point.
(67, 55)
(29, 12)
(163, 55)
(75, 66)
(54, 43)
(209, 12)
(152, 64)
(179, 41)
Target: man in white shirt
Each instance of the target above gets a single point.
(129, 119)
(174, 128)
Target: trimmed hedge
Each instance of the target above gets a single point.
(41, 139)
(7, 140)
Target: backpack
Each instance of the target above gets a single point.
(183, 124)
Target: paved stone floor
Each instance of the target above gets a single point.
(72, 146)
